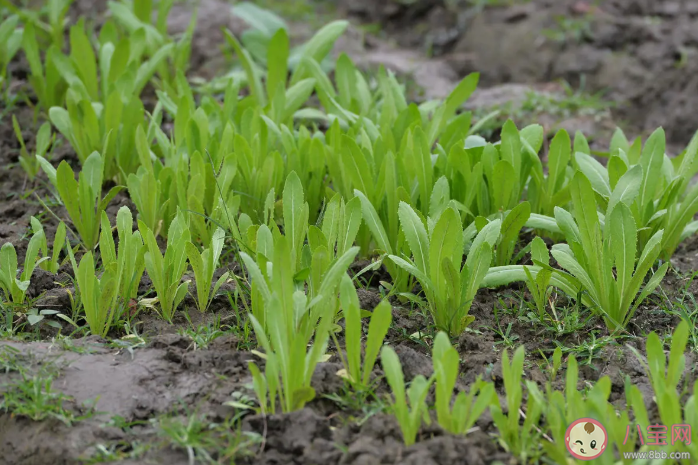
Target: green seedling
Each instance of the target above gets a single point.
(204, 264)
(547, 192)
(460, 417)
(82, 198)
(290, 358)
(449, 288)
(561, 408)
(33, 397)
(539, 287)
(275, 277)
(166, 271)
(52, 262)
(514, 437)
(10, 43)
(98, 295)
(128, 258)
(358, 371)
(15, 288)
(592, 254)
(512, 222)
(30, 164)
(656, 188)
(340, 224)
(409, 409)
(148, 190)
(45, 77)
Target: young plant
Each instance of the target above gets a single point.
(411, 408)
(356, 372)
(82, 198)
(15, 289)
(166, 271)
(467, 408)
(604, 260)
(666, 373)
(512, 222)
(204, 264)
(539, 286)
(98, 295)
(340, 224)
(504, 168)
(45, 78)
(449, 288)
(128, 258)
(655, 187)
(514, 437)
(561, 408)
(146, 188)
(10, 43)
(276, 277)
(52, 262)
(29, 163)
(290, 363)
(547, 192)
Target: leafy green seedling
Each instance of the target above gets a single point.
(166, 271)
(340, 224)
(204, 265)
(547, 192)
(10, 43)
(539, 287)
(603, 260)
(128, 258)
(15, 289)
(409, 409)
(512, 222)
(52, 262)
(468, 407)
(357, 372)
(45, 77)
(290, 361)
(30, 163)
(515, 437)
(82, 198)
(449, 288)
(667, 372)
(98, 295)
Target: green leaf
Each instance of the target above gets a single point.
(651, 160)
(416, 235)
(373, 222)
(627, 188)
(512, 224)
(255, 82)
(277, 62)
(320, 45)
(377, 330)
(595, 173)
(623, 230)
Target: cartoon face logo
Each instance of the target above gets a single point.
(586, 439)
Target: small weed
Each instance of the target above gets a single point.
(118, 451)
(358, 403)
(570, 29)
(10, 359)
(206, 442)
(203, 335)
(684, 307)
(589, 348)
(33, 397)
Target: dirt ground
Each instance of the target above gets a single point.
(641, 53)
